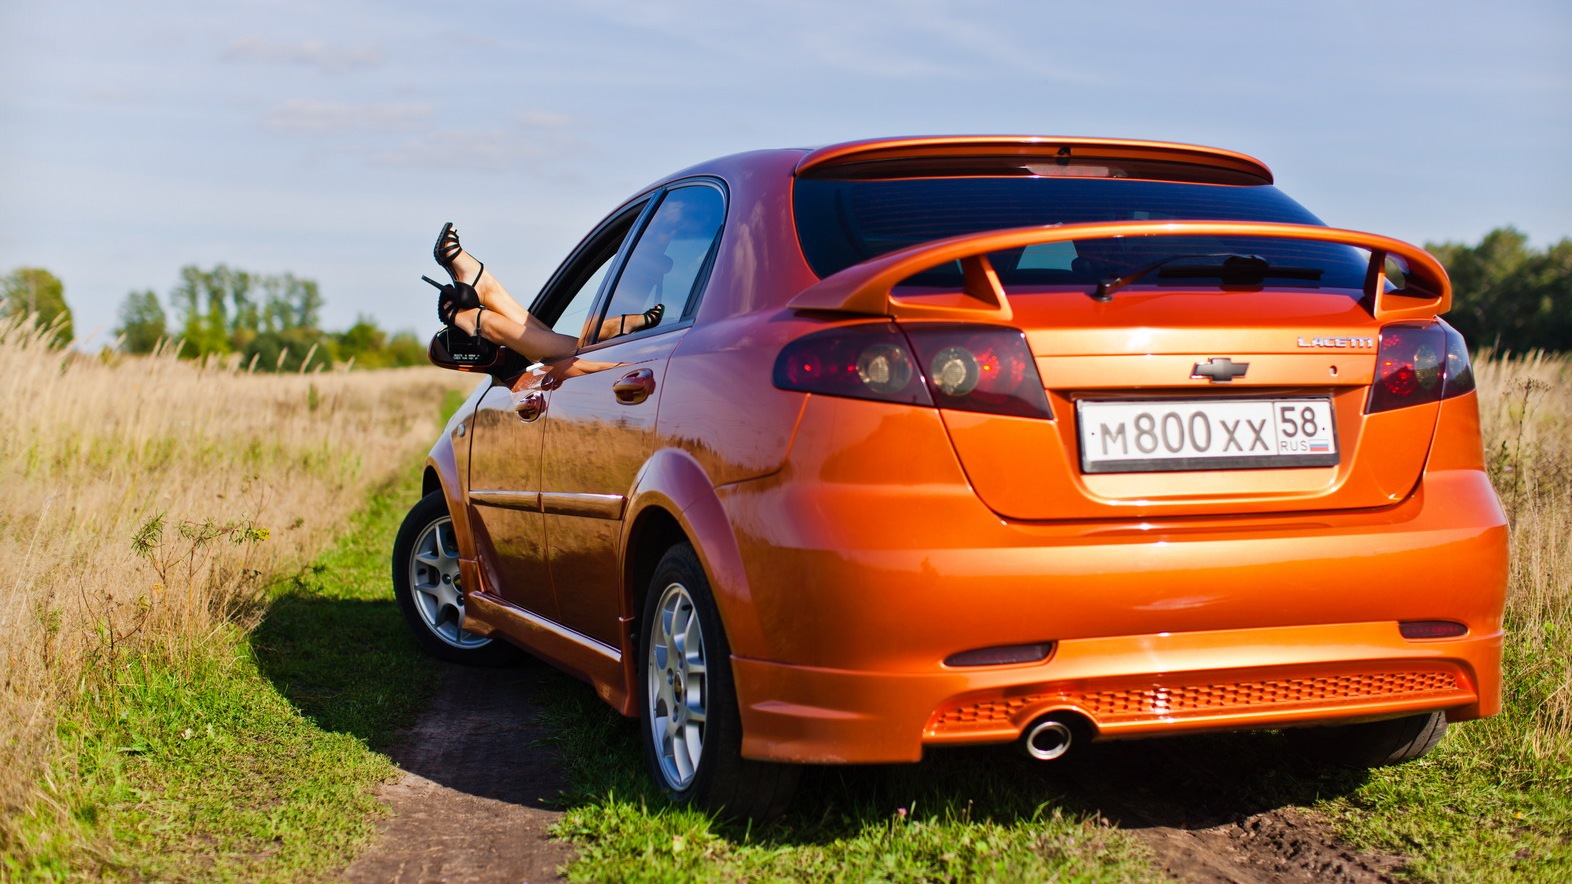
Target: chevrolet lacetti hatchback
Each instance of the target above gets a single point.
(951, 441)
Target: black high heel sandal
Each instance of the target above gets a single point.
(651, 319)
(447, 250)
(454, 297)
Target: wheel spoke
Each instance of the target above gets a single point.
(446, 541)
(693, 746)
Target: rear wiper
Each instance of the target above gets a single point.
(1231, 268)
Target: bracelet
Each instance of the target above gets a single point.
(478, 311)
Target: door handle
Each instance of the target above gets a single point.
(531, 407)
(634, 387)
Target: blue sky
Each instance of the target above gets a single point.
(332, 138)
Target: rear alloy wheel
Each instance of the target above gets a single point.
(691, 732)
(426, 584)
(1373, 743)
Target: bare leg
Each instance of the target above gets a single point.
(508, 323)
(627, 323)
(492, 293)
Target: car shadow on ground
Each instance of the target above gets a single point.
(1191, 782)
(351, 667)
(530, 735)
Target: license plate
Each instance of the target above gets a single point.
(1128, 436)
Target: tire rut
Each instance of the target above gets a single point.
(1209, 814)
(472, 803)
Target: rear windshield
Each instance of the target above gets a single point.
(841, 222)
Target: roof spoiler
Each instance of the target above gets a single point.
(1419, 287)
(1050, 149)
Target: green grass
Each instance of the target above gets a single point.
(964, 816)
(334, 642)
(1487, 805)
(253, 757)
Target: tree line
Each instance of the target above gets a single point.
(272, 321)
(1507, 296)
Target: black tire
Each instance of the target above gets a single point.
(1371, 744)
(426, 584)
(697, 760)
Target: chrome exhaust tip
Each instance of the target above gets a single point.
(1048, 739)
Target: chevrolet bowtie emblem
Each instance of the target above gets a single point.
(1221, 371)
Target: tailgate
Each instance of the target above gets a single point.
(1157, 413)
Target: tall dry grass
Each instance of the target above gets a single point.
(1526, 414)
(149, 501)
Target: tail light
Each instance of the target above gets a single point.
(1418, 364)
(970, 368)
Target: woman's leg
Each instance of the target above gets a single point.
(491, 291)
(506, 321)
(523, 330)
(531, 338)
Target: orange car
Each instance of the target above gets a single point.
(973, 440)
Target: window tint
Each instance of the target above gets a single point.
(566, 303)
(669, 262)
(841, 222)
(571, 322)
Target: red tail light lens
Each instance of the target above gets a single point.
(987, 369)
(871, 361)
(1410, 367)
(965, 367)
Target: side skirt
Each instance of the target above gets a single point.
(577, 654)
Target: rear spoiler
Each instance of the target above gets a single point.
(1421, 289)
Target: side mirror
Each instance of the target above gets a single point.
(451, 348)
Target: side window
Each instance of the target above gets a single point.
(572, 292)
(571, 322)
(668, 264)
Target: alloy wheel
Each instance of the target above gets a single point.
(434, 577)
(677, 671)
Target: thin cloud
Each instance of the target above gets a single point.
(326, 58)
(309, 116)
(538, 119)
(480, 151)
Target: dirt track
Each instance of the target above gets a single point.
(457, 816)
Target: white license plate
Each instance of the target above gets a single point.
(1128, 436)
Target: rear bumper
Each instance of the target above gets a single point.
(1126, 686)
(856, 599)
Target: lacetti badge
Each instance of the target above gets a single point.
(1339, 343)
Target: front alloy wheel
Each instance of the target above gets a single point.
(426, 584)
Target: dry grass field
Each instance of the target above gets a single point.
(1526, 410)
(149, 503)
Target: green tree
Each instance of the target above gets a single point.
(406, 349)
(201, 298)
(33, 291)
(365, 343)
(270, 320)
(142, 322)
(1507, 295)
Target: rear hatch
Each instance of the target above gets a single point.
(1207, 346)
(1195, 402)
